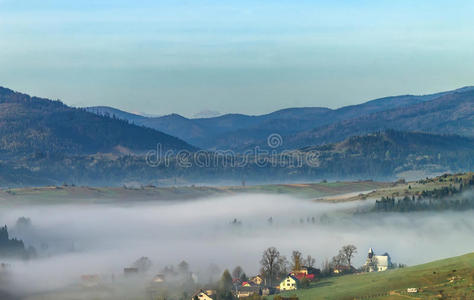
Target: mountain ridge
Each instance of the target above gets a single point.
(237, 131)
(448, 114)
(33, 124)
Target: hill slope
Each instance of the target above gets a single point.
(31, 124)
(115, 113)
(448, 114)
(450, 278)
(391, 152)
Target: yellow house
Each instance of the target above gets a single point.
(201, 295)
(290, 283)
(258, 280)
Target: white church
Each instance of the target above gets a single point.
(377, 263)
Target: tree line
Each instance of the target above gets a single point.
(452, 197)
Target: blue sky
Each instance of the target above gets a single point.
(242, 56)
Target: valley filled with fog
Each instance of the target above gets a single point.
(217, 233)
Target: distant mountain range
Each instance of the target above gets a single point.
(446, 112)
(46, 142)
(31, 124)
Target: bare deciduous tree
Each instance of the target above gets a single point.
(296, 260)
(326, 268)
(183, 268)
(237, 272)
(143, 264)
(348, 252)
(309, 261)
(273, 264)
(338, 260)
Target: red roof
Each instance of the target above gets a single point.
(300, 276)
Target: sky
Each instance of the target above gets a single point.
(253, 57)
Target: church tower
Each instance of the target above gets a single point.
(371, 253)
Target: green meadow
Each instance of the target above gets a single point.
(451, 278)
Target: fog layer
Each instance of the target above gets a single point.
(72, 240)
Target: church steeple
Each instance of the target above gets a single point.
(371, 253)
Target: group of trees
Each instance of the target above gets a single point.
(12, 247)
(179, 282)
(275, 266)
(224, 290)
(181, 272)
(143, 264)
(449, 197)
(342, 260)
(298, 261)
(238, 273)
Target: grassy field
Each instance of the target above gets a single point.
(401, 188)
(451, 278)
(322, 192)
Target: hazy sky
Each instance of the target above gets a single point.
(233, 56)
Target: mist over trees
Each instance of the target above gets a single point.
(224, 291)
(143, 264)
(217, 241)
(12, 247)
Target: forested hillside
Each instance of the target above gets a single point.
(376, 156)
(37, 125)
(449, 114)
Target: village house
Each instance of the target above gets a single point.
(211, 293)
(158, 279)
(203, 295)
(247, 291)
(246, 283)
(289, 283)
(258, 280)
(377, 263)
(339, 270)
(309, 273)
